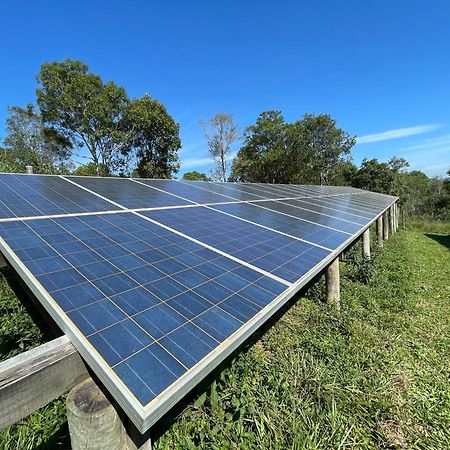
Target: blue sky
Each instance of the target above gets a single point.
(380, 68)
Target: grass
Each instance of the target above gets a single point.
(374, 376)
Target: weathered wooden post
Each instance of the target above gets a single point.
(332, 281)
(380, 231)
(385, 225)
(366, 243)
(391, 218)
(396, 215)
(29, 169)
(94, 424)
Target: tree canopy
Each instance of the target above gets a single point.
(309, 150)
(29, 142)
(100, 117)
(196, 176)
(221, 132)
(154, 138)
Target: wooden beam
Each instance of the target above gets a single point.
(332, 281)
(34, 378)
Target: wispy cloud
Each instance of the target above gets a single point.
(396, 134)
(199, 163)
(195, 162)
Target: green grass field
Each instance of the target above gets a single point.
(374, 376)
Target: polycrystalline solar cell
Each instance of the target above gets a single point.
(188, 190)
(324, 219)
(231, 191)
(281, 255)
(129, 193)
(311, 232)
(260, 192)
(284, 190)
(41, 195)
(313, 205)
(151, 303)
(354, 203)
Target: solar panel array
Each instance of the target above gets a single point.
(157, 281)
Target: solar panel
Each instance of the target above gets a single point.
(276, 253)
(127, 193)
(157, 281)
(23, 196)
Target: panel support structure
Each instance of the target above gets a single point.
(392, 218)
(380, 231)
(333, 284)
(385, 225)
(366, 243)
(34, 378)
(94, 423)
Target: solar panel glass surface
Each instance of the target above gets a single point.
(25, 195)
(129, 193)
(151, 303)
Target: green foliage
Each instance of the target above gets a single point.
(311, 150)
(196, 176)
(29, 142)
(91, 170)
(88, 112)
(419, 195)
(154, 138)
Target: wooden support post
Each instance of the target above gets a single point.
(94, 423)
(3, 262)
(366, 243)
(391, 218)
(396, 215)
(380, 231)
(385, 226)
(332, 281)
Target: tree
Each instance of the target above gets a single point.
(310, 150)
(154, 138)
(374, 176)
(31, 143)
(221, 132)
(325, 145)
(196, 176)
(90, 170)
(263, 156)
(77, 104)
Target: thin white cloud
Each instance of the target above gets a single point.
(396, 134)
(195, 162)
(201, 162)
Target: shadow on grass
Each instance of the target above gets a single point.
(33, 308)
(443, 239)
(59, 440)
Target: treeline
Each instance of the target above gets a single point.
(79, 117)
(77, 111)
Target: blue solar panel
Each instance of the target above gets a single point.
(147, 300)
(129, 193)
(28, 195)
(155, 300)
(314, 205)
(311, 232)
(193, 191)
(281, 255)
(320, 218)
